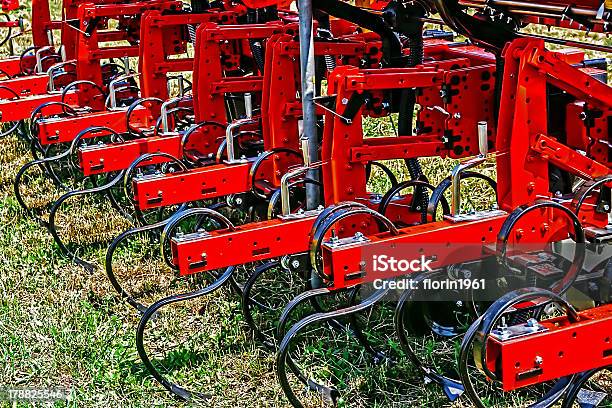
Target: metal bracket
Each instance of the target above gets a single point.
(328, 104)
(475, 216)
(357, 239)
(509, 333)
(300, 215)
(229, 139)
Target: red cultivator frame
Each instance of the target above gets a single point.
(263, 163)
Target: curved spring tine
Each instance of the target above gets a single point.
(572, 394)
(451, 387)
(283, 352)
(77, 83)
(16, 124)
(357, 332)
(109, 262)
(12, 129)
(293, 305)
(177, 390)
(43, 163)
(28, 52)
(263, 157)
(122, 211)
(130, 110)
(55, 208)
(23, 134)
(11, 91)
(127, 182)
(386, 170)
(247, 311)
(66, 109)
(312, 297)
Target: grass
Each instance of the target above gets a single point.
(62, 326)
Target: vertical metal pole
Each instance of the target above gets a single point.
(308, 138)
(309, 122)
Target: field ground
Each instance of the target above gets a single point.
(63, 326)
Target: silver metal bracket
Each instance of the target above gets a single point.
(300, 215)
(521, 330)
(475, 216)
(191, 236)
(356, 239)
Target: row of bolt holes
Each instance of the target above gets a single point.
(561, 354)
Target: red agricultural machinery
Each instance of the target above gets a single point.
(249, 142)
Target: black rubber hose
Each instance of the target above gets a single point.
(392, 48)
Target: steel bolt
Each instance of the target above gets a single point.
(531, 186)
(519, 233)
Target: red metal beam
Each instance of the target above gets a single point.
(11, 65)
(249, 243)
(24, 86)
(100, 159)
(64, 129)
(565, 348)
(390, 148)
(199, 184)
(19, 109)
